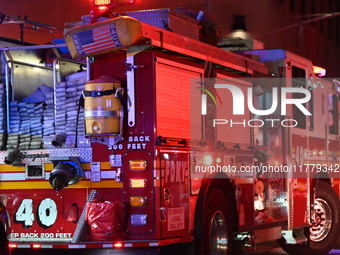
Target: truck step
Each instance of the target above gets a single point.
(294, 237)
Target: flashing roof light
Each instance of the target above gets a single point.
(102, 2)
(100, 8)
(319, 71)
(99, 3)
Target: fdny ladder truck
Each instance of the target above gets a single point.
(140, 148)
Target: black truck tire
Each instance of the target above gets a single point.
(325, 230)
(217, 228)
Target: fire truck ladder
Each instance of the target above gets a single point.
(25, 23)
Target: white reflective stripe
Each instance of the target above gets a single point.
(75, 246)
(24, 246)
(12, 176)
(84, 246)
(46, 246)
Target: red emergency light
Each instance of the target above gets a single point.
(118, 245)
(102, 2)
(100, 8)
(109, 2)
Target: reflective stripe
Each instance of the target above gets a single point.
(12, 176)
(125, 244)
(24, 246)
(77, 246)
(46, 246)
(101, 113)
(108, 245)
(43, 184)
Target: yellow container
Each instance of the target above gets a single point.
(102, 106)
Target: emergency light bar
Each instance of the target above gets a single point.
(102, 2)
(319, 71)
(101, 7)
(109, 2)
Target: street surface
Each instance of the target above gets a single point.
(272, 248)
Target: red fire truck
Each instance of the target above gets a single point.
(166, 142)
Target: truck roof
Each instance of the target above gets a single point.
(196, 50)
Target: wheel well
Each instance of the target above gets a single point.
(323, 176)
(227, 186)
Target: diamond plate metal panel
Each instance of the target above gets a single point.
(84, 154)
(41, 156)
(168, 20)
(277, 205)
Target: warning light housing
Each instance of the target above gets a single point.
(319, 71)
(137, 183)
(102, 8)
(137, 164)
(138, 201)
(102, 2)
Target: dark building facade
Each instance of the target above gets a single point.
(264, 20)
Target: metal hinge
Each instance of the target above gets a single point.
(130, 67)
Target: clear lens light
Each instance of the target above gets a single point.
(138, 219)
(208, 160)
